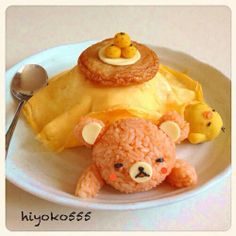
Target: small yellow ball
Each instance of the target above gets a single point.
(128, 52)
(112, 51)
(122, 40)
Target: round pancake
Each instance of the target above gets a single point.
(104, 74)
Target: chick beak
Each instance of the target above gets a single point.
(223, 129)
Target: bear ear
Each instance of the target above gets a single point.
(172, 129)
(88, 130)
(174, 125)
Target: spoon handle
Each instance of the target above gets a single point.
(11, 129)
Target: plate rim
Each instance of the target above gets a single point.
(115, 206)
(125, 206)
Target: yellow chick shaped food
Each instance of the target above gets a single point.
(113, 51)
(122, 40)
(129, 52)
(205, 122)
(122, 47)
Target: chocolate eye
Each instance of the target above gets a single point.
(160, 159)
(223, 129)
(118, 165)
(208, 124)
(213, 110)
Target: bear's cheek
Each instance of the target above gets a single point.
(160, 172)
(108, 174)
(163, 170)
(112, 177)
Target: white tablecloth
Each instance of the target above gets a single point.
(203, 32)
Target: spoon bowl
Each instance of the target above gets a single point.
(28, 80)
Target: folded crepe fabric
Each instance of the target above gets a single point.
(54, 111)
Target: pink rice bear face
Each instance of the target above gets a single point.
(134, 155)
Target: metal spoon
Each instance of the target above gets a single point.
(24, 84)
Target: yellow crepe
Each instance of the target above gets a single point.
(55, 110)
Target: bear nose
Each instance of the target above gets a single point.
(140, 172)
(140, 168)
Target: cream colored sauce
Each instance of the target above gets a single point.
(118, 61)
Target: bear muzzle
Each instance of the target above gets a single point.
(140, 172)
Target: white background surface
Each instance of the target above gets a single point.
(203, 32)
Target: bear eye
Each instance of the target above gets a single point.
(213, 110)
(160, 159)
(118, 165)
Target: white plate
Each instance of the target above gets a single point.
(53, 176)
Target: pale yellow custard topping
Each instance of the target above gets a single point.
(118, 61)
